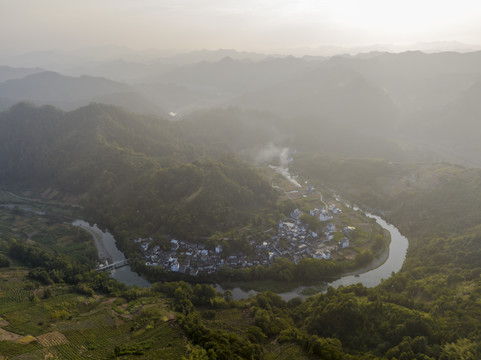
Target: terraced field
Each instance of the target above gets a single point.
(69, 326)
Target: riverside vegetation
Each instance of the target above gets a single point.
(141, 176)
(53, 304)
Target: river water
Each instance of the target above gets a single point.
(107, 248)
(397, 253)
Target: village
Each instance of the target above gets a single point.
(292, 240)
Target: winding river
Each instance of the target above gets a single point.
(107, 248)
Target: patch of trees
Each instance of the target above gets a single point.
(218, 344)
(308, 270)
(49, 268)
(4, 261)
(345, 322)
(211, 344)
(312, 222)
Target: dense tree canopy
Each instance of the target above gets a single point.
(129, 171)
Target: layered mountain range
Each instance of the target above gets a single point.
(413, 99)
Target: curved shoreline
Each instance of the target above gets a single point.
(378, 261)
(398, 246)
(370, 275)
(107, 248)
(97, 236)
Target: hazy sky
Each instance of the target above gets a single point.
(27, 25)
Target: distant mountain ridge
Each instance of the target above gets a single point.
(409, 97)
(236, 76)
(51, 86)
(337, 93)
(68, 93)
(9, 73)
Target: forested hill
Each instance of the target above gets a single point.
(148, 174)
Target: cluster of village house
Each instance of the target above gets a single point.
(293, 240)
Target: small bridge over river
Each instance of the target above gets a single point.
(113, 266)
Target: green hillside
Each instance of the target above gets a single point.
(143, 173)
